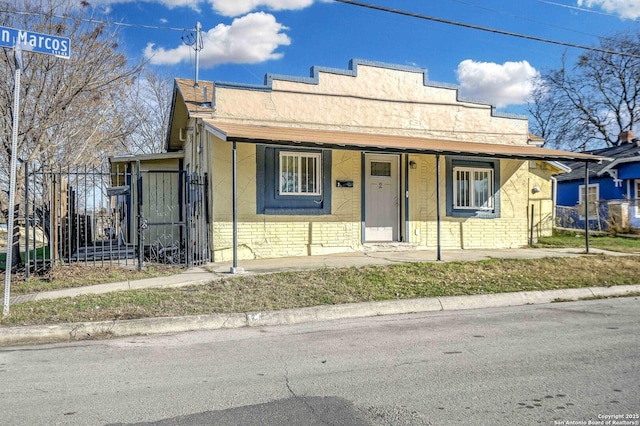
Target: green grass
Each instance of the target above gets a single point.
(78, 275)
(336, 286)
(40, 253)
(577, 240)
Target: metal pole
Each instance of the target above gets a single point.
(27, 259)
(12, 181)
(439, 255)
(586, 206)
(234, 195)
(188, 219)
(206, 217)
(71, 210)
(531, 230)
(139, 216)
(197, 49)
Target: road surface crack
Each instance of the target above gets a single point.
(286, 380)
(301, 399)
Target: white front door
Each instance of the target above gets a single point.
(382, 201)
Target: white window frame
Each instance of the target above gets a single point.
(581, 200)
(300, 157)
(489, 204)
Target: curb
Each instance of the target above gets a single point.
(95, 330)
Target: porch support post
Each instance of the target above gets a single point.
(234, 196)
(439, 250)
(586, 206)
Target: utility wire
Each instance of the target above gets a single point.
(486, 29)
(582, 9)
(511, 15)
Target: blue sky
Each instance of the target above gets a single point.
(245, 39)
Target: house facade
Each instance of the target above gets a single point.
(613, 188)
(351, 158)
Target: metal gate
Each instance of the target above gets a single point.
(103, 216)
(172, 220)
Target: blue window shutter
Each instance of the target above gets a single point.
(493, 164)
(269, 201)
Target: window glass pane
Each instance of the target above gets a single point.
(313, 174)
(309, 175)
(300, 173)
(462, 186)
(593, 199)
(289, 174)
(380, 169)
(304, 175)
(481, 189)
(293, 173)
(473, 188)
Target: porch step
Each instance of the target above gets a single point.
(371, 247)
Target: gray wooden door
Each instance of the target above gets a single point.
(382, 201)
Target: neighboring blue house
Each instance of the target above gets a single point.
(614, 189)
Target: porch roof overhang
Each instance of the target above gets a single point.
(146, 157)
(305, 137)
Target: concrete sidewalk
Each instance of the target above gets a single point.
(196, 276)
(216, 271)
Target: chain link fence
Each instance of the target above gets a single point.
(613, 216)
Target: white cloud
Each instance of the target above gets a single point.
(508, 84)
(250, 39)
(629, 9)
(240, 7)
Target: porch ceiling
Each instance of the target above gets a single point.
(293, 136)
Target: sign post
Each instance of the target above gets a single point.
(19, 41)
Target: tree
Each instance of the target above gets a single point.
(590, 104)
(70, 111)
(149, 105)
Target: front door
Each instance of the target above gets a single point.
(382, 201)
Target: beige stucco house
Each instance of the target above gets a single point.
(351, 158)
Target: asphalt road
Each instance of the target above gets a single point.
(561, 363)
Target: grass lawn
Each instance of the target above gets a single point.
(576, 240)
(335, 286)
(78, 275)
(40, 254)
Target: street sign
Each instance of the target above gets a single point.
(19, 41)
(29, 41)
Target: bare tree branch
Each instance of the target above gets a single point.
(68, 114)
(588, 106)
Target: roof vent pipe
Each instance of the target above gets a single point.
(213, 96)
